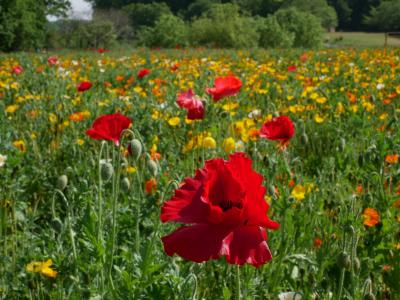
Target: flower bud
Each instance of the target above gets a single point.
(62, 182)
(57, 225)
(107, 171)
(135, 148)
(152, 167)
(342, 144)
(343, 260)
(356, 264)
(125, 184)
(369, 296)
(304, 138)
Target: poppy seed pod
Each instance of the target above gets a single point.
(343, 260)
(107, 171)
(62, 182)
(125, 184)
(152, 167)
(135, 148)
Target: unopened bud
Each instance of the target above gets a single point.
(125, 184)
(369, 296)
(304, 138)
(343, 260)
(135, 148)
(357, 264)
(57, 225)
(62, 182)
(152, 166)
(107, 171)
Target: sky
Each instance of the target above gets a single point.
(81, 9)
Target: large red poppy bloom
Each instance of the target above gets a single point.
(192, 103)
(84, 86)
(143, 72)
(109, 127)
(225, 86)
(225, 212)
(278, 129)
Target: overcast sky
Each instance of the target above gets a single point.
(81, 9)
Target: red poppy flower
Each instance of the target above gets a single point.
(109, 127)
(143, 72)
(17, 69)
(52, 60)
(291, 68)
(225, 86)
(278, 129)
(192, 103)
(102, 50)
(225, 212)
(84, 86)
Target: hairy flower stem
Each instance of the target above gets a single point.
(238, 282)
(115, 191)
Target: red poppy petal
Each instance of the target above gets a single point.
(197, 243)
(186, 206)
(247, 244)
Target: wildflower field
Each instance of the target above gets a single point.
(200, 174)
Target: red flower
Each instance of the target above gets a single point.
(226, 214)
(109, 127)
(101, 50)
(143, 72)
(52, 60)
(291, 68)
(192, 103)
(278, 129)
(225, 86)
(17, 69)
(84, 86)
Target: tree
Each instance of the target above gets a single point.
(319, 8)
(142, 14)
(386, 16)
(23, 22)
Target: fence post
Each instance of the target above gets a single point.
(386, 38)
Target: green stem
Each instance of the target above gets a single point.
(237, 282)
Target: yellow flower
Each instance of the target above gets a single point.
(53, 118)
(318, 119)
(130, 170)
(80, 142)
(42, 267)
(20, 145)
(298, 192)
(11, 109)
(229, 145)
(321, 100)
(174, 121)
(209, 142)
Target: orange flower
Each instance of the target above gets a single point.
(150, 185)
(397, 203)
(352, 97)
(392, 159)
(76, 117)
(371, 217)
(359, 189)
(317, 242)
(291, 183)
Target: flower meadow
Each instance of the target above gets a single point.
(200, 174)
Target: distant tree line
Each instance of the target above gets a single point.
(172, 23)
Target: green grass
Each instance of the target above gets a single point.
(360, 39)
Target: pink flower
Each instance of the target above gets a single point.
(192, 103)
(17, 69)
(52, 60)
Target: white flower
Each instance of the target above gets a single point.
(289, 296)
(254, 113)
(380, 86)
(3, 159)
